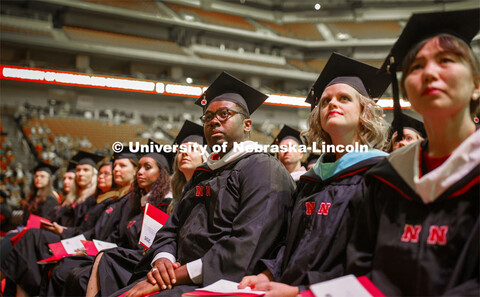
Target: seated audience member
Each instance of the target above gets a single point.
(41, 200)
(419, 230)
(5, 214)
(413, 130)
(68, 180)
(21, 266)
(290, 156)
(113, 268)
(311, 161)
(185, 163)
(330, 194)
(110, 213)
(233, 210)
(151, 185)
(81, 196)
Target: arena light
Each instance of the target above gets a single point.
(144, 86)
(183, 90)
(76, 79)
(388, 103)
(286, 101)
(160, 87)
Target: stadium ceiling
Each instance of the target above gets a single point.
(88, 36)
(309, 5)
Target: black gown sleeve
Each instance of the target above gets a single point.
(465, 280)
(361, 246)
(264, 192)
(49, 208)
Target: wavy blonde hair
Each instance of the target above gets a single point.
(372, 129)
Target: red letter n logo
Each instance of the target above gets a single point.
(411, 233)
(199, 192)
(207, 188)
(324, 207)
(438, 235)
(310, 208)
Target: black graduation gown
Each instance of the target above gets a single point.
(117, 264)
(21, 266)
(408, 247)
(107, 228)
(45, 210)
(230, 218)
(73, 215)
(321, 224)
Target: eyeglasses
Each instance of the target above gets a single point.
(221, 114)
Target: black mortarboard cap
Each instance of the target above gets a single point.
(311, 98)
(108, 163)
(312, 159)
(364, 78)
(190, 132)
(163, 158)
(71, 166)
(288, 132)
(82, 158)
(42, 166)
(409, 122)
(228, 88)
(463, 24)
(124, 154)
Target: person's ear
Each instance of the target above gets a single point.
(476, 90)
(247, 125)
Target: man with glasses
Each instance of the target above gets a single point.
(232, 212)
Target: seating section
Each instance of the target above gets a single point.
(301, 65)
(100, 135)
(317, 64)
(27, 31)
(115, 39)
(306, 31)
(172, 132)
(212, 17)
(260, 137)
(374, 63)
(140, 5)
(372, 29)
(241, 61)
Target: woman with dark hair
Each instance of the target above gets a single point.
(151, 185)
(41, 199)
(329, 195)
(418, 233)
(112, 269)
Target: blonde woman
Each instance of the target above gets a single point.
(82, 192)
(329, 195)
(191, 136)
